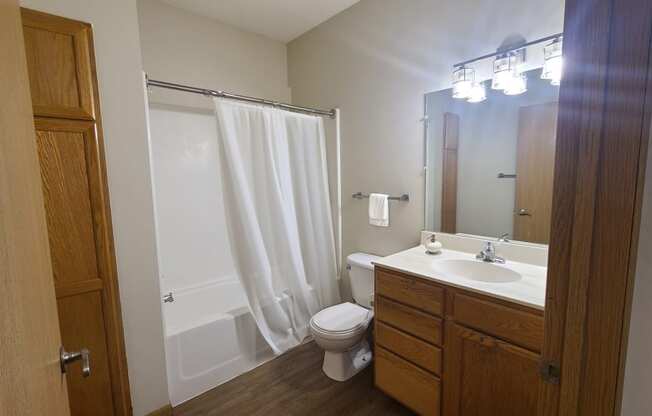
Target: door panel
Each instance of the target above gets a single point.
(81, 318)
(63, 147)
(71, 156)
(486, 376)
(535, 161)
(31, 382)
(59, 66)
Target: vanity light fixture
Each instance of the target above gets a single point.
(553, 61)
(463, 79)
(508, 70)
(478, 93)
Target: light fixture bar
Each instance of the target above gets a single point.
(512, 49)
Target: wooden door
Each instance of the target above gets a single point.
(604, 128)
(31, 382)
(449, 174)
(71, 155)
(535, 161)
(484, 376)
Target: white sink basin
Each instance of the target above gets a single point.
(477, 270)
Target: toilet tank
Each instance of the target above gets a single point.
(361, 275)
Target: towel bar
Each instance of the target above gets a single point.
(404, 197)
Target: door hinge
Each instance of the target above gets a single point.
(550, 372)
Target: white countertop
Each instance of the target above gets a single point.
(530, 290)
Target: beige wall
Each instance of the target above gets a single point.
(182, 47)
(375, 61)
(117, 50)
(637, 399)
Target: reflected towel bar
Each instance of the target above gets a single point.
(404, 197)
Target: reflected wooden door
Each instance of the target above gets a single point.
(535, 162)
(71, 156)
(449, 173)
(31, 382)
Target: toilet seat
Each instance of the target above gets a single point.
(341, 321)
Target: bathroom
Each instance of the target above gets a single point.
(436, 295)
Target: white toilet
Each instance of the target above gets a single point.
(341, 329)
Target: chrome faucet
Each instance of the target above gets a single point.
(488, 254)
(504, 238)
(168, 298)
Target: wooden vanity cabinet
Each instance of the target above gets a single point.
(487, 376)
(442, 350)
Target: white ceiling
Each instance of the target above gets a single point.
(282, 20)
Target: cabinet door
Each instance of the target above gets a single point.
(485, 376)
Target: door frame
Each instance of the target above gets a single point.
(602, 137)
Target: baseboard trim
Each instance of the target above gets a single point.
(163, 411)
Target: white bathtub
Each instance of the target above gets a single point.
(210, 338)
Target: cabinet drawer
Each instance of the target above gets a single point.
(410, 320)
(407, 383)
(411, 291)
(517, 326)
(413, 349)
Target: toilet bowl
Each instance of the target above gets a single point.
(341, 330)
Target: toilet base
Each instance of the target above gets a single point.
(341, 366)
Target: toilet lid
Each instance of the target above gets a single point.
(344, 317)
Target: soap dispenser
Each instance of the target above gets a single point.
(432, 245)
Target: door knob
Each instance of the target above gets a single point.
(523, 212)
(71, 357)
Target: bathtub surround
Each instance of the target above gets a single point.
(193, 248)
(276, 195)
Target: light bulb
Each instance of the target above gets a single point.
(518, 85)
(462, 89)
(553, 62)
(478, 93)
(502, 73)
(463, 82)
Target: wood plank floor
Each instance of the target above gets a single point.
(293, 384)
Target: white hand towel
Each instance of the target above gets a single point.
(379, 210)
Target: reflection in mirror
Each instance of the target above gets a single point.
(490, 164)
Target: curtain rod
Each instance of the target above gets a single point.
(222, 94)
(510, 49)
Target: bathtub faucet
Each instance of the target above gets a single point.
(168, 298)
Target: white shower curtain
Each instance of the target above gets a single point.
(276, 197)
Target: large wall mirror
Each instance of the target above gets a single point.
(490, 164)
